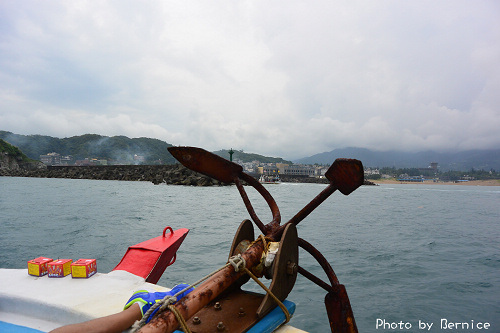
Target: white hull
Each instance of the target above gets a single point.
(45, 303)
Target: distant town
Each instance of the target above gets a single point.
(55, 159)
(276, 170)
(254, 167)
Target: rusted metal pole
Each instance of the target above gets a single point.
(166, 322)
(314, 279)
(269, 199)
(318, 200)
(332, 277)
(248, 205)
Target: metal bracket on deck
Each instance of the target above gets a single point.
(231, 312)
(284, 269)
(284, 274)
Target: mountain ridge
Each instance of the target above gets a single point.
(462, 160)
(12, 158)
(91, 145)
(116, 147)
(119, 147)
(249, 157)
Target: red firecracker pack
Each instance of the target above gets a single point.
(38, 266)
(83, 268)
(59, 268)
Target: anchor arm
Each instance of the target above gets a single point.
(338, 306)
(249, 206)
(334, 281)
(268, 198)
(214, 166)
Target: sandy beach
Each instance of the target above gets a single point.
(491, 182)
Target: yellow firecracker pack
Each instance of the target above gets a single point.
(83, 268)
(59, 268)
(38, 266)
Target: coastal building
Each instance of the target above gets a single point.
(56, 159)
(411, 179)
(299, 170)
(139, 158)
(269, 170)
(249, 167)
(370, 171)
(85, 162)
(51, 159)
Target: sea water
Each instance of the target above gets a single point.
(412, 257)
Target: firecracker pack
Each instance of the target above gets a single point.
(83, 268)
(38, 266)
(59, 268)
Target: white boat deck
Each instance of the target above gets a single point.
(45, 303)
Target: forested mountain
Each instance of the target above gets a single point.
(119, 148)
(12, 158)
(12, 151)
(249, 157)
(122, 148)
(465, 160)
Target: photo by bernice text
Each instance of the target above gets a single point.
(470, 325)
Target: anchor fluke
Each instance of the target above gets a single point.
(206, 163)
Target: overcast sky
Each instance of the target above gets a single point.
(279, 78)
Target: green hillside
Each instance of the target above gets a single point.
(13, 151)
(116, 148)
(249, 157)
(119, 148)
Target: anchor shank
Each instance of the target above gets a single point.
(269, 199)
(315, 279)
(249, 206)
(166, 322)
(318, 200)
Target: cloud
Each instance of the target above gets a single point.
(283, 78)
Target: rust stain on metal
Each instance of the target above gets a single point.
(346, 174)
(204, 162)
(206, 294)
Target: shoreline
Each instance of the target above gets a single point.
(176, 174)
(489, 182)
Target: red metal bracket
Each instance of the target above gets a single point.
(149, 259)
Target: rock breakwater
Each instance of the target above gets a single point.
(175, 174)
(158, 174)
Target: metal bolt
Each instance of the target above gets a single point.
(217, 306)
(196, 321)
(221, 327)
(241, 313)
(291, 268)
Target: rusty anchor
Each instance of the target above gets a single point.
(345, 175)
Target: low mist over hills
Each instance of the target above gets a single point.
(12, 158)
(123, 148)
(119, 148)
(249, 157)
(465, 160)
